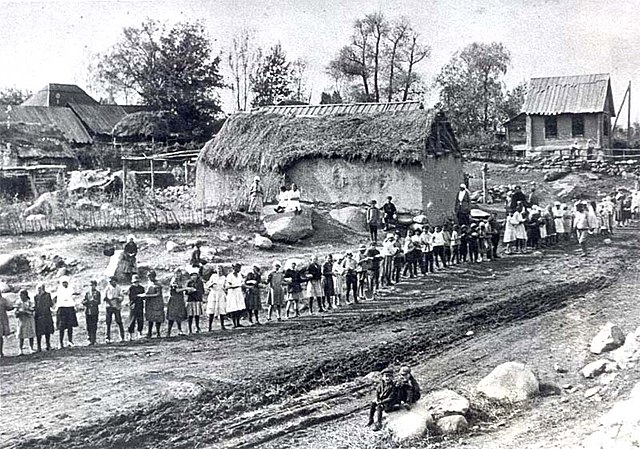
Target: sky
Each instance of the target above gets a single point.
(57, 40)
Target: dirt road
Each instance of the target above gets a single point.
(276, 383)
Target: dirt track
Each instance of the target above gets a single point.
(243, 388)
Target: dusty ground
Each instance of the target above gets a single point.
(299, 383)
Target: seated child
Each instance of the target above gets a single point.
(386, 399)
(408, 388)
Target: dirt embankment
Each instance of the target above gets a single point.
(418, 320)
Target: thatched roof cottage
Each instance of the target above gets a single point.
(336, 154)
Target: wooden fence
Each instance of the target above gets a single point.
(141, 216)
(607, 155)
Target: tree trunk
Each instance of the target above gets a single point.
(407, 84)
(376, 64)
(391, 71)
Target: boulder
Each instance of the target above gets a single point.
(629, 353)
(608, 338)
(408, 425)
(598, 367)
(452, 425)
(262, 242)
(13, 263)
(172, 247)
(289, 227)
(151, 241)
(351, 216)
(4, 287)
(511, 381)
(421, 219)
(446, 402)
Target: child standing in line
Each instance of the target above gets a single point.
(426, 238)
(464, 243)
(509, 232)
(398, 263)
(91, 303)
(275, 297)
(446, 233)
(5, 330)
(438, 247)
(26, 321)
(216, 299)
(474, 240)
(455, 245)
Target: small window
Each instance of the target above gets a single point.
(577, 126)
(550, 127)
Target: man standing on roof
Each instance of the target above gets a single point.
(463, 206)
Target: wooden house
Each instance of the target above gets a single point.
(564, 113)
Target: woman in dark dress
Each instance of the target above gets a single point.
(130, 254)
(43, 317)
(154, 305)
(252, 293)
(328, 290)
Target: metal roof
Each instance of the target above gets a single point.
(335, 109)
(579, 94)
(62, 118)
(99, 118)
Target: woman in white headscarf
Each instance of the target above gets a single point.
(66, 310)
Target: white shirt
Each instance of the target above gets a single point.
(438, 238)
(461, 194)
(64, 297)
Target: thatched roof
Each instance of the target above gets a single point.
(35, 141)
(99, 118)
(264, 141)
(61, 118)
(156, 124)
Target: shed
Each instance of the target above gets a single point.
(336, 154)
(566, 112)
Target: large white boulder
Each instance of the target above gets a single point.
(4, 287)
(351, 216)
(408, 425)
(289, 227)
(512, 381)
(609, 337)
(629, 353)
(421, 219)
(446, 402)
(261, 242)
(452, 425)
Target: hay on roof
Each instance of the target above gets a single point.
(35, 141)
(271, 142)
(147, 124)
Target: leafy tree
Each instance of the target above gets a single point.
(471, 87)
(380, 60)
(170, 69)
(272, 81)
(325, 98)
(12, 96)
(513, 101)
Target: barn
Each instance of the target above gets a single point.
(336, 154)
(563, 113)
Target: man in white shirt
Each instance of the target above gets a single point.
(582, 227)
(113, 297)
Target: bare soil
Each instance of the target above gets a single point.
(300, 383)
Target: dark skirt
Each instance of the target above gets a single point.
(327, 286)
(44, 324)
(252, 300)
(66, 318)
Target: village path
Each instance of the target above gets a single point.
(192, 390)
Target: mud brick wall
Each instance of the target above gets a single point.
(432, 189)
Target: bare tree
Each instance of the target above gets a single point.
(416, 53)
(378, 27)
(242, 58)
(396, 40)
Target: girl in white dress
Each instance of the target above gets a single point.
(509, 232)
(217, 299)
(338, 279)
(235, 297)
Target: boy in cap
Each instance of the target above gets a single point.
(113, 298)
(386, 399)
